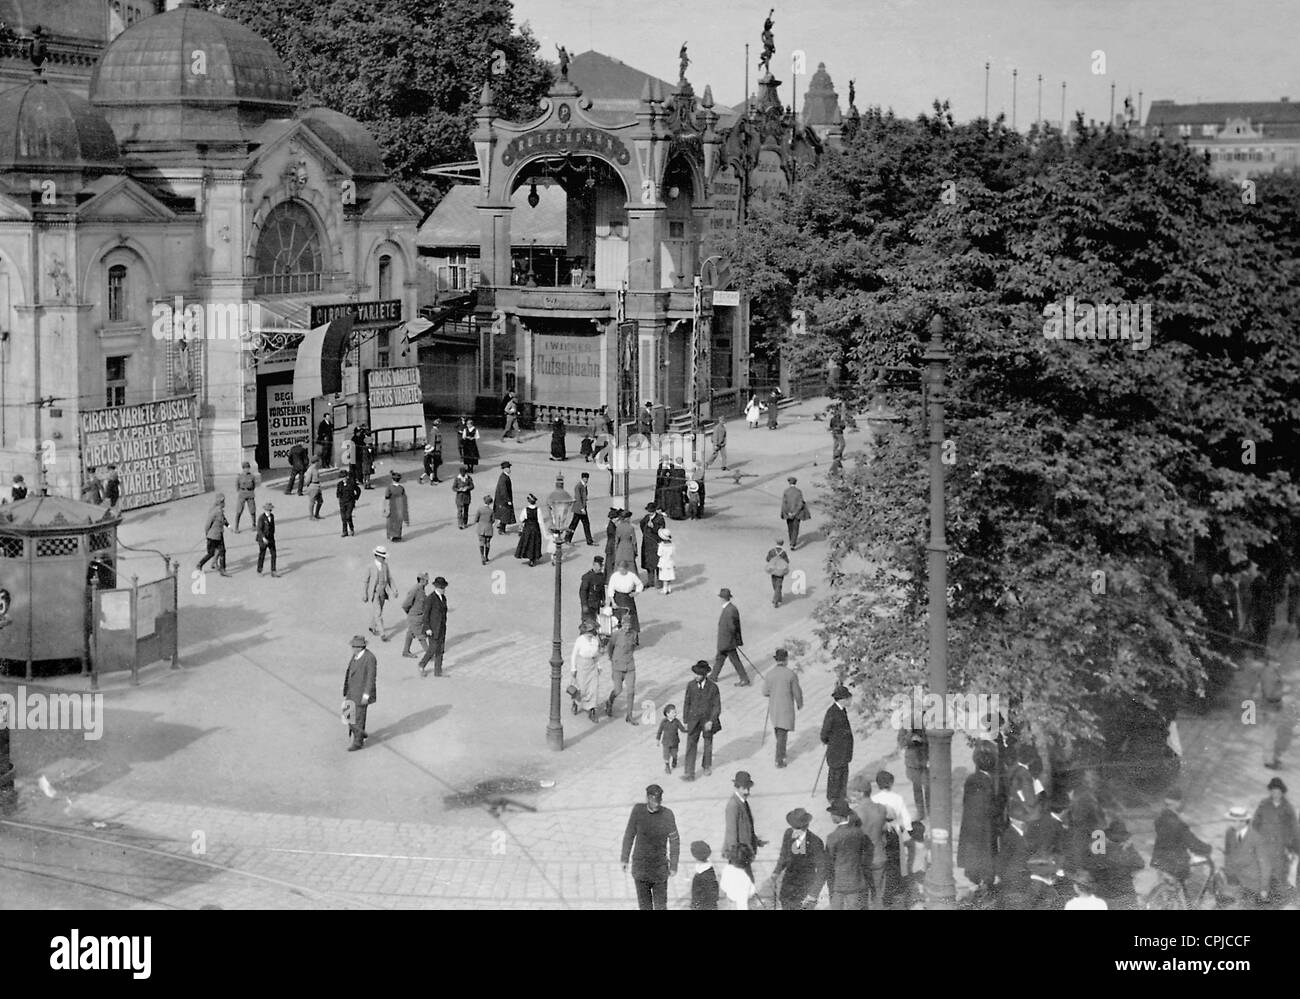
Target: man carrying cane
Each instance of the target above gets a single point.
(837, 736)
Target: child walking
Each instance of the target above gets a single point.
(667, 560)
(670, 735)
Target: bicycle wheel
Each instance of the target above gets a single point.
(1164, 897)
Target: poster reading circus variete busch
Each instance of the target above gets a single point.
(154, 445)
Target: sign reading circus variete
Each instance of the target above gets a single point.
(566, 140)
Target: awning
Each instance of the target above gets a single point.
(318, 369)
(438, 316)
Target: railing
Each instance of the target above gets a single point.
(725, 404)
(576, 418)
(288, 284)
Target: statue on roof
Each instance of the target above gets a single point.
(564, 61)
(853, 92)
(684, 60)
(769, 43)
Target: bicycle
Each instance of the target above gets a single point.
(1171, 893)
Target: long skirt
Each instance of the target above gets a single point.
(469, 453)
(589, 682)
(629, 601)
(558, 451)
(530, 541)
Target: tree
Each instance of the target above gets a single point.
(411, 70)
(1096, 487)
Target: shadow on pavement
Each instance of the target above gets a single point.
(411, 723)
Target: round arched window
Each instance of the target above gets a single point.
(289, 259)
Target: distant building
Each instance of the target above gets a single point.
(821, 104)
(1241, 138)
(74, 32)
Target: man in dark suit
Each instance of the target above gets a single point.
(848, 860)
(980, 819)
(503, 503)
(739, 839)
(266, 538)
(837, 737)
(591, 591)
(794, 511)
(701, 711)
(435, 627)
(359, 690)
(1175, 841)
(729, 640)
(1013, 861)
(414, 604)
(580, 509)
(298, 462)
(652, 843)
(325, 440)
(874, 818)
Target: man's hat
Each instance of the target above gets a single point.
(649, 506)
(439, 581)
(654, 791)
(780, 542)
(532, 497)
(600, 559)
(781, 655)
(724, 593)
(798, 819)
(381, 552)
(247, 465)
(884, 779)
(792, 480)
(839, 808)
(1117, 830)
(505, 464)
(1276, 782)
(841, 694)
(701, 850)
(1238, 813)
(428, 449)
(701, 668)
(666, 534)
(742, 779)
(586, 628)
(614, 513)
(358, 641)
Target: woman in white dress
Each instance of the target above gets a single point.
(621, 591)
(667, 560)
(586, 667)
(752, 410)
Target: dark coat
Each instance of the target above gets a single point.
(579, 497)
(699, 706)
(611, 529)
(503, 504)
(837, 736)
(348, 492)
(652, 842)
(298, 458)
(1246, 862)
(793, 506)
(624, 544)
(739, 829)
(591, 592)
(804, 873)
(976, 842)
(729, 629)
(848, 859)
(265, 529)
(1174, 840)
(1013, 861)
(463, 487)
(1276, 825)
(704, 890)
(1020, 789)
(1048, 839)
(1113, 874)
(435, 618)
(650, 526)
(360, 678)
(873, 818)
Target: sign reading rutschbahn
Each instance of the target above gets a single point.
(363, 313)
(574, 140)
(154, 445)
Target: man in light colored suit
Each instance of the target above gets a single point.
(379, 589)
(781, 686)
(580, 509)
(719, 444)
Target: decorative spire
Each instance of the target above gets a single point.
(707, 100)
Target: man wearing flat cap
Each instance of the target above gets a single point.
(701, 714)
(503, 503)
(435, 627)
(591, 591)
(781, 687)
(652, 843)
(801, 868)
(359, 691)
(837, 737)
(794, 510)
(739, 839)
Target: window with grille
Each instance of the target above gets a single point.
(55, 547)
(289, 259)
(11, 547)
(101, 541)
(117, 308)
(385, 277)
(115, 381)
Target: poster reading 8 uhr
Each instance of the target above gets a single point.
(154, 445)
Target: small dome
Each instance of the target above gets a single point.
(43, 127)
(191, 76)
(41, 512)
(350, 140)
(821, 80)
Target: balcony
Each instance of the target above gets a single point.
(561, 302)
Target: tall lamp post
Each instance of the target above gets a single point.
(940, 889)
(558, 505)
(8, 795)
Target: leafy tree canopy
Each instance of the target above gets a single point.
(411, 70)
(1080, 465)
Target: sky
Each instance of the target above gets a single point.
(905, 53)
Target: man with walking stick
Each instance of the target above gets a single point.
(784, 698)
(837, 737)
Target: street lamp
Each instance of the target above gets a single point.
(558, 505)
(940, 889)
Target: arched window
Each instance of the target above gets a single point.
(118, 311)
(385, 277)
(289, 259)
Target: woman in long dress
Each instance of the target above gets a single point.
(675, 492)
(667, 560)
(621, 591)
(625, 539)
(460, 439)
(752, 412)
(558, 452)
(650, 526)
(773, 407)
(586, 668)
(469, 445)
(395, 509)
(663, 477)
(530, 535)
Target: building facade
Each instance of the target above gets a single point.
(176, 234)
(1241, 138)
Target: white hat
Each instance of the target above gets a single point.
(381, 552)
(665, 534)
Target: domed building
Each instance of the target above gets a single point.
(174, 236)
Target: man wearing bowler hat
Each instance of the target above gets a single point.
(802, 862)
(359, 690)
(701, 714)
(652, 844)
(739, 831)
(782, 689)
(848, 859)
(729, 640)
(435, 627)
(837, 737)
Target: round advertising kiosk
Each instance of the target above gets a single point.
(50, 549)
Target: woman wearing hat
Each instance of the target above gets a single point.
(558, 449)
(1275, 821)
(530, 534)
(801, 869)
(667, 560)
(611, 528)
(651, 523)
(585, 663)
(625, 539)
(396, 512)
